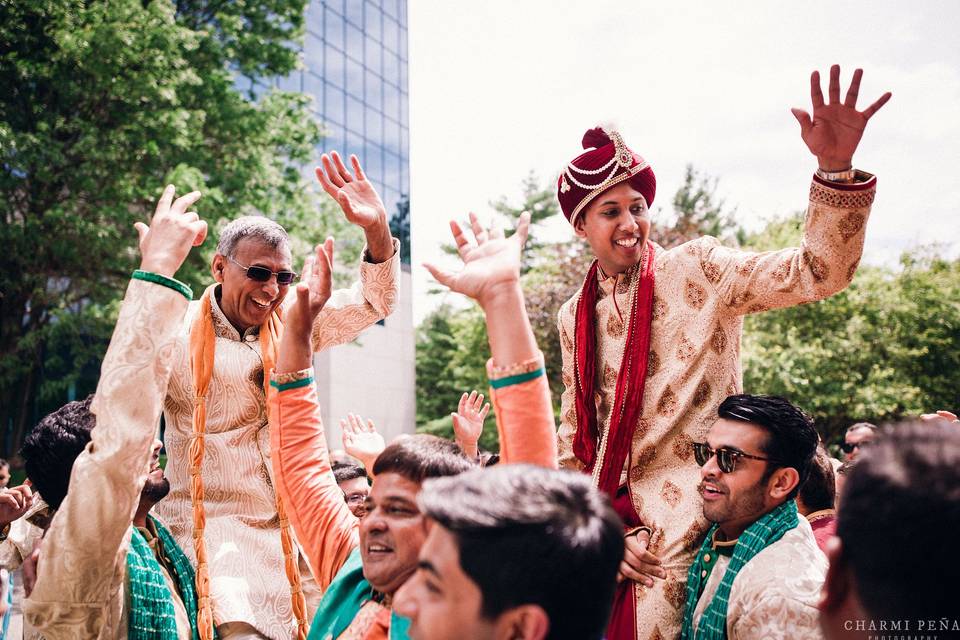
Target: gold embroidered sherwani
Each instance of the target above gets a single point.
(247, 578)
(701, 293)
(775, 594)
(81, 590)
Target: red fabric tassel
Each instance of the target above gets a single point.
(630, 381)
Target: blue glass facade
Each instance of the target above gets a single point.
(355, 54)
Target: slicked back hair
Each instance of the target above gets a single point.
(344, 471)
(791, 437)
(529, 535)
(257, 228)
(819, 491)
(421, 456)
(901, 503)
(53, 446)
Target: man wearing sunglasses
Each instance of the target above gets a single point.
(758, 573)
(222, 507)
(856, 438)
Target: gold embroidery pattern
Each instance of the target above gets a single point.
(671, 493)
(696, 295)
(841, 199)
(851, 224)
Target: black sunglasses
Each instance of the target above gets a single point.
(849, 447)
(726, 458)
(262, 274)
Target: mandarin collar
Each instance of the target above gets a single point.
(222, 326)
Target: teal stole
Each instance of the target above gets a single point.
(758, 536)
(343, 600)
(152, 616)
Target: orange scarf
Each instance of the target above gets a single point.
(203, 342)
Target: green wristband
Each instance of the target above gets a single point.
(296, 384)
(170, 283)
(517, 379)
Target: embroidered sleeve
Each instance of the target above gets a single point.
(823, 264)
(81, 572)
(349, 311)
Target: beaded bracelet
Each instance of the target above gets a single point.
(170, 283)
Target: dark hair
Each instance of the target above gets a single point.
(4, 463)
(52, 447)
(344, 471)
(858, 426)
(421, 456)
(901, 502)
(819, 491)
(529, 535)
(791, 441)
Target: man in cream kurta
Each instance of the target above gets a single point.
(702, 292)
(82, 587)
(248, 584)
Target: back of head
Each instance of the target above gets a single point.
(899, 522)
(819, 490)
(528, 535)
(257, 228)
(344, 471)
(52, 447)
(421, 456)
(791, 437)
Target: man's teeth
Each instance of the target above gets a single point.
(263, 305)
(377, 547)
(627, 242)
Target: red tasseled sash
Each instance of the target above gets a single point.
(630, 382)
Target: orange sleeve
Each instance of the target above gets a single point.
(325, 527)
(525, 423)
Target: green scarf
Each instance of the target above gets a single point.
(343, 600)
(152, 616)
(758, 536)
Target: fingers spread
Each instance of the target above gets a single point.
(854, 90)
(523, 227)
(442, 276)
(328, 186)
(804, 119)
(332, 175)
(163, 204)
(185, 202)
(341, 168)
(872, 109)
(816, 94)
(834, 84)
(478, 231)
(357, 169)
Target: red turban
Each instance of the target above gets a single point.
(606, 163)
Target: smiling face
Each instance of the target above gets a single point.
(440, 600)
(245, 302)
(736, 500)
(616, 224)
(392, 533)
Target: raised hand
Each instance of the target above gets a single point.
(355, 194)
(468, 422)
(491, 262)
(313, 290)
(361, 440)
(14, 503)
(164, 244)
(835, 129)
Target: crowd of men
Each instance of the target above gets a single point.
(668, 504)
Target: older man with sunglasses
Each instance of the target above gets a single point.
(758, 573)
(222, 508)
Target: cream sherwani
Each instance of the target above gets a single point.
(775, 594)
(248, 583)
(81, 592)
(701, 293)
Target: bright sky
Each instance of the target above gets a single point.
(499, 88)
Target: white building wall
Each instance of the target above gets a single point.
(372, 376)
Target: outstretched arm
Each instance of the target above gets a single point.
(301, 463)
(78, 575)
(520, 394)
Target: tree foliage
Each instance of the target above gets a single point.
(697, 211)
(101, 105)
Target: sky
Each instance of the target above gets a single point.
(498, 89)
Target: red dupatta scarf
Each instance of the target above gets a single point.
(630, 382)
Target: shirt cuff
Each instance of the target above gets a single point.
(291, 380)
(516, 373)
(845, 195)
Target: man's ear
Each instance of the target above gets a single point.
(782, 482)
(526, 622)
(838, 585)
(217, 266)
(578, 225)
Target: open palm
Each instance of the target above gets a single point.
(357, 198)
(835, 129)
(361, 439)
(490, 260)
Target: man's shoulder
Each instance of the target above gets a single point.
(793, 567)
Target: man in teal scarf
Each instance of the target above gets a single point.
(758, 573)
(108, 569)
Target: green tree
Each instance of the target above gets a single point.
(884, 348)
(101, 104)
(697, 211)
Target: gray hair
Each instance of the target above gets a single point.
(257, 227)
(860, 425)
